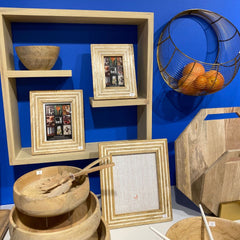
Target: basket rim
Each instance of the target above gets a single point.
(188, 13)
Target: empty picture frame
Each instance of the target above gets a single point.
(137, 189)
(113, 71)
(57, 121)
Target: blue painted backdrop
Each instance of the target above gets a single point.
(172, 111)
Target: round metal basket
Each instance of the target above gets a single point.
(226, 62)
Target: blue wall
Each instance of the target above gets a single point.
(172, 111)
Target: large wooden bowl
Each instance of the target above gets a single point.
(194, 228)
(38, 57)
(78, 224)
(102, 232)
(28, 200)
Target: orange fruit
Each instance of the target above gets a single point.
(193, 68)
(186, 85)
(200, 82)
(213, 72)
(215, 81)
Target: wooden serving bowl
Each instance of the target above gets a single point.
(80, 223)
(28, 200)
(38, 57)
(194, 228)
(102, 232)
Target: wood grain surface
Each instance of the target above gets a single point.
(204, 169)
(4, 214)
(29, 199)
(80, 223)
(193, 228)
(222, 182)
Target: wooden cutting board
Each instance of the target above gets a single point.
(207, 157)
(4, 215)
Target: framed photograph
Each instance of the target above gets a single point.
(137, 189)
(113, 71)
(57, 121)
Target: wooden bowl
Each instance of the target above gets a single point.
(102, 232)
(80, 223)
(194, 228)
(29, 200)
(38, 57)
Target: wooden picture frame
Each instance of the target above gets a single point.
(113, 71)
(57, 121)
(137, 189)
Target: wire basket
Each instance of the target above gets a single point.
(193, 77)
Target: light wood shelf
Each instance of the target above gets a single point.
(25, 156)
(144, 23)
(118, 103)
(37, 73)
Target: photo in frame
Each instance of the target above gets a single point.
(57, 121)
(113, 71)
(137, 189)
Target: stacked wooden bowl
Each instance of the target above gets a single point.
(73, 215)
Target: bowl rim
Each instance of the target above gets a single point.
(26, 175)
(24, 203)
(67, 229)
(33, 46)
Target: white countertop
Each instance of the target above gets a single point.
(182, 208)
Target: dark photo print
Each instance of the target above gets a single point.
(114, 76)
(58, 121)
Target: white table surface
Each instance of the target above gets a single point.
(182, 208)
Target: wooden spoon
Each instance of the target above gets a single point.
(61, 183)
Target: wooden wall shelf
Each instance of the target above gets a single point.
(25, 155)
(144, 23)
(45, 73)
(117, 103)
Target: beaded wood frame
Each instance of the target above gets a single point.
(113, 81)
(70, 136)
(137, 189)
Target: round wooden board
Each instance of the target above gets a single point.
(193, 228)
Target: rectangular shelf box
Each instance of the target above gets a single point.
(144, 22)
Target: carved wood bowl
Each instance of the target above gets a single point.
(194, 228)
(30, 200)
(78, 224)
(102, 232)
(38, 57)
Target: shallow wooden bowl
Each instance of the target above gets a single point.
(29, 200)
(194, 228)
(78, 224)
(38, 57)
